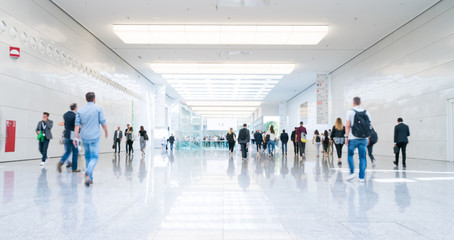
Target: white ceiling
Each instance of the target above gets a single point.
(354, 25)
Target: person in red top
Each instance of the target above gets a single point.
(301, 145)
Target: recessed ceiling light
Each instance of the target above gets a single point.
(223, 68)
(223, 76)
(224, 103)
(221, 34)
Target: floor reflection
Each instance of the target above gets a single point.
(210, 195)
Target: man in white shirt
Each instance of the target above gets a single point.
(357, 130)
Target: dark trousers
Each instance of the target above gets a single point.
(129, 142)
(295, 147)
(126, 146)
(243, 150)
(284, 147)
(231, 146)
(117, 142)
(370, 148)
(339, 150)
(70, 148)
(259, 146)
(301, 147)
(402, 146)
(43, 148)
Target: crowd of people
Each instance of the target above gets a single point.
(81, 136)
(82, 133)
(356, 133)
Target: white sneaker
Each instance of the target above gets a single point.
(42, 163)
(350, 177)
(361, 181)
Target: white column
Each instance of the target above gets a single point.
(283, 123)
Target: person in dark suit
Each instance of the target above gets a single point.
(44, 127)
(258, 140)
(295, 145)
(401, 134)
(284, 140)
(244, 137)
(118, 136)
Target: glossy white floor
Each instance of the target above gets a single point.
(204, 195)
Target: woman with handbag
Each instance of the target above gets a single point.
(338, 137)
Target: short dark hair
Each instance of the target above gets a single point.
(283, 131)
(90, 96)
(400, 120)
(301, 122)
(357, 100)
(295, 127)
(73, 106)
(46, 113)
(245, 125)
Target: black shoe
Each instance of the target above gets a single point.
(69, 164)
(87, 181)
(395, 163)
(59, 164)
(404, 165)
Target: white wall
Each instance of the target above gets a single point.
(409, 74)
(46, 81)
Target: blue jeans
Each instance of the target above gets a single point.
(69, 147)
(91, 148)
(361, 144)
(284, 147)
(171, 146)
(271, 146)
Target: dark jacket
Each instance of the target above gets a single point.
(47, 131)
(115, 134)
(171, 139)
(69, 119)
(244, 136)
(284, 137)
(337, 133)
(230, 137)
(258, 137)
(401, 133)
(293, 136)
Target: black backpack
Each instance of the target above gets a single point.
(267, 138)
(361, 125)
(373, 139)
(317, 139)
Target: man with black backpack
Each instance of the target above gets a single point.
(358, 131)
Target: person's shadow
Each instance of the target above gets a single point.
(401, 194)
(284, 167)
(244, 179)
(231, 168)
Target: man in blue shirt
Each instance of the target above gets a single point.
(88, 119)
(69, 121)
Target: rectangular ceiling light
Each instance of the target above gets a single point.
(239, 109)
(220, 34)
(224, 103)
(224, 76)
(223, 68)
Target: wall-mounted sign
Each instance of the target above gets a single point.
(14, 52)
(322, 99)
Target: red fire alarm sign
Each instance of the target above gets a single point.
(14, 52)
